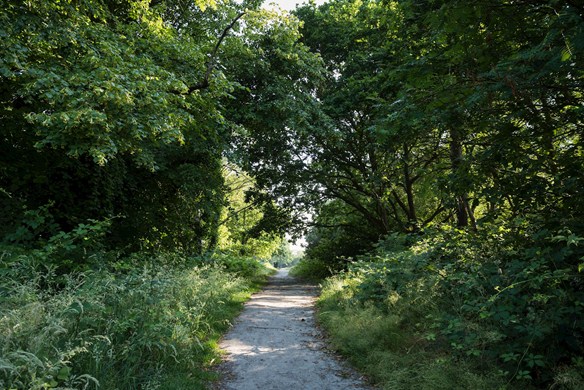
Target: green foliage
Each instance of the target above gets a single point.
(311, 269)
(81, 248)
(246, 267)
(484, 298)
(337, 237)
(274, 106)
(97, 80)
(458, 122)
(118, 110)
(34, 223)
(442, 111)
(145, 327)
(377, 118)
(389, 351)
(526, 296)
(283, 257)
(252, 224)
(98, 124)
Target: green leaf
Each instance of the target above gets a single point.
(64, 373)
(566, 54)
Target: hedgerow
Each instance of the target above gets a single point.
(473, 299)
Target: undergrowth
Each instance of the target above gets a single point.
(152, 326)
(311, 269)
(390, 353)
(462, 310)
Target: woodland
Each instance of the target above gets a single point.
(155, 153)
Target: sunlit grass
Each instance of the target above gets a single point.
(150, 328)
(392, 354)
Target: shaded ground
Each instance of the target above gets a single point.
(275, 344)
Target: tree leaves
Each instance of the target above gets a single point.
(105, 88)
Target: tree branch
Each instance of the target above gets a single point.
(212, 57)
(434, 215)
(401, 204)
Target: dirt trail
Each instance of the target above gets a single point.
(275, 344)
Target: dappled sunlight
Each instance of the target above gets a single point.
(275, 341)
(421, 160)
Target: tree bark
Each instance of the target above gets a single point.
(456, 157)
(409, 188)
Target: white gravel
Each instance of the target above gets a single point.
(275, 344)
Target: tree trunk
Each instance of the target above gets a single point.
(409, 188)
(464, 212)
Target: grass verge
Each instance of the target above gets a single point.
(391, 355)
(149, 327)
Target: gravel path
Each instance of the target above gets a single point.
(275, 344)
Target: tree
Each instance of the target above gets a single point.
(338, 234)
(448, 111)
(507, 94)
(274, 109)
(375, 166)
(117, 109)
(251, 224)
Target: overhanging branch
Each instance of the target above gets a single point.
(212, 57)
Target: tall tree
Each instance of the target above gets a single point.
(372, 164)
(449, 111)
(118, 109)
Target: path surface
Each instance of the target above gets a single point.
(275, 345)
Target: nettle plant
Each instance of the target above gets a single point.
(486, 296)
(520, 305)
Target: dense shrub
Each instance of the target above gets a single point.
(389, 353)
(312, 269)
(247, 267)
(509, 296)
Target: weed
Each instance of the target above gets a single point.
(476, 299)
(149, 327)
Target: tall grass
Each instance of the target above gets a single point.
(148, 327)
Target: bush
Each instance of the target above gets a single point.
(508, 297)
(311, 269)
(247, 267)
(79, 249)
(391, 353)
